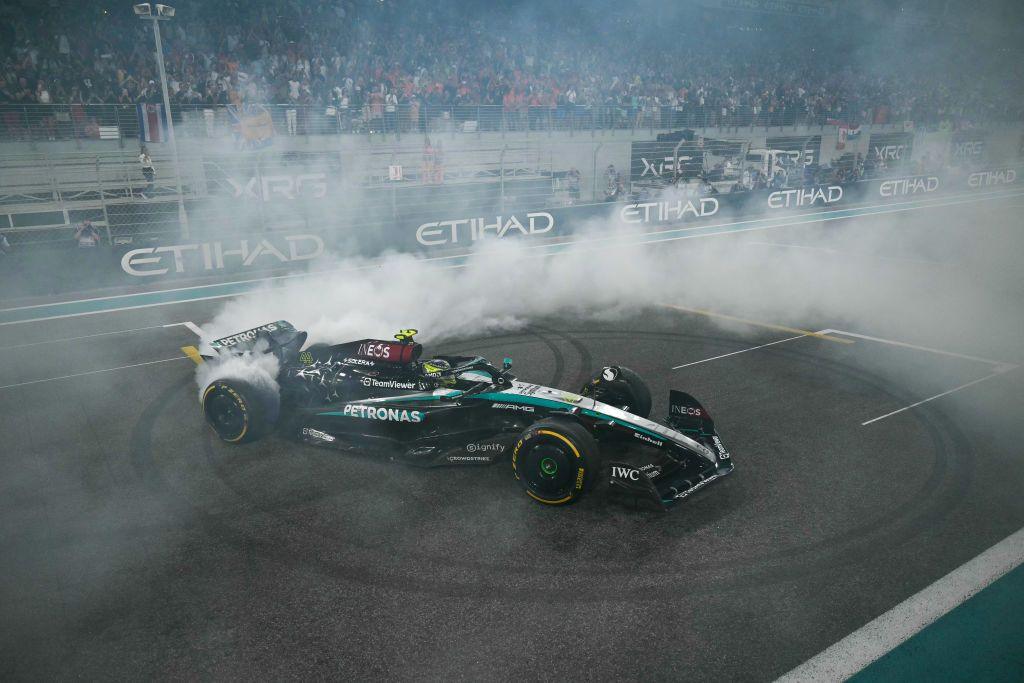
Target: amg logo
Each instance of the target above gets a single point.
(385, 414)
(644, 437)
(905, 186)
(513, 406)
(386, 383)
(625, 473)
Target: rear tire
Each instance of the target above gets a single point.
(238, 411)
(619, 386)
(555, 461)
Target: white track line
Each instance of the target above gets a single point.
(196, 330)
(87, 336)
(998, 372)
(921, 348)
(887, 632)
(91, 372)
(752, 348)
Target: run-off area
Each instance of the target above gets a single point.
(130, 535)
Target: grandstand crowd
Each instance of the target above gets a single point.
(387, 57)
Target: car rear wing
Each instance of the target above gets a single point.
(279, 335)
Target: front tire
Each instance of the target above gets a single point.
(555, 461)
(238, 411)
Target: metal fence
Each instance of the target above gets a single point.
(38, 122)
(42, 199)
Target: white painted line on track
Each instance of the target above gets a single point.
(905, 345)
(890, 630)
(91, 372)
(1001, 370)
(87, 336)
(196, 330)
(752, 348)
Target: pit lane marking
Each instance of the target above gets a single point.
(998, 368)
(752, 348)
(91, 372)
(86, 336)
(997, 373)
(821, 334)
(196, 330)
(885, 633)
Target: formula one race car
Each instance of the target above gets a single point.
(377, 396)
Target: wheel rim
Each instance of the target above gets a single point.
(548, 467)
(548, 470)
(225, 415)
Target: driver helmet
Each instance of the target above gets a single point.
(439, 369)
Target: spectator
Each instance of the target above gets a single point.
(572, 182)
(86, 235)
(613, 185)
(148, 171)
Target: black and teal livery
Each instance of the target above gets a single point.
(376, 396)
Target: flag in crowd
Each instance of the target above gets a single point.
(152, 123)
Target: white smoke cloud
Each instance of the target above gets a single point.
(257, 367)
(877, 275)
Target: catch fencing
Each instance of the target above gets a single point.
(256, 124)
(42, 199)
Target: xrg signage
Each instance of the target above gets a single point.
(800, 148)
(654, 161)
(890, 149)
(966, 145)
(469, 230)
(212, 256)
(269, 188)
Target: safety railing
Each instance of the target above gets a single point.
(257, 125)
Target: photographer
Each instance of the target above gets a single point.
(86, 235)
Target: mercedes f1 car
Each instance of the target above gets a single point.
(378, 396)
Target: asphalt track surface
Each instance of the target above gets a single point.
(135, 545)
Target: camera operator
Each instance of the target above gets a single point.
(86, 235)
